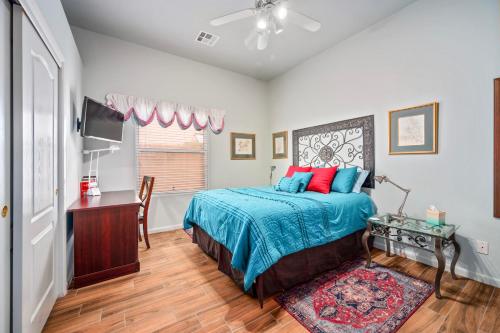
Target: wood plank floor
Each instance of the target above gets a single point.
(179, 289)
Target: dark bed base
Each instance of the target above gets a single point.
(289, 271)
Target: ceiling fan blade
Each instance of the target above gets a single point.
(303, 21)
(239, 15)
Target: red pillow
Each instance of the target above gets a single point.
(322, 179)
(292, 169)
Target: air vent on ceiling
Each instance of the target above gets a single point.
(207, 38)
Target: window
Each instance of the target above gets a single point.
(176, 158)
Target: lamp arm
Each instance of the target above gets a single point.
(400, 210)
(401, 188)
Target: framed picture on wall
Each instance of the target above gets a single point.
(496, 149)
(414, 130)
(242, 146)
(280, 145)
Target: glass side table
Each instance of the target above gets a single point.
(416, 233)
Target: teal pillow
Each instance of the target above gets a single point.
(344, 180)
(304, 178)
(287, 184)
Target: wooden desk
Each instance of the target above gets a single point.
(105, 236)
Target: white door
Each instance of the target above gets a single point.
(35, 85)
(5, 86)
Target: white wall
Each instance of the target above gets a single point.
(71, 82)
(112, 65)
(433, 50)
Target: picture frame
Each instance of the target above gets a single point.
(242, 146)
(414, 130)
(496, 148)
(280, 145)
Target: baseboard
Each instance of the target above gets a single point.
(430, 260)
(165, 228)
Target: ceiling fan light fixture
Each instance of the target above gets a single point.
(262, 40)
(278, 27)
(281, 12)
(262, 23)
(263, 20)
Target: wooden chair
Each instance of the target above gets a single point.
(145, 196)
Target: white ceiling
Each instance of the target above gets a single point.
(172, 26)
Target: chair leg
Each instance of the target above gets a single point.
(139, 232)
(145, 230)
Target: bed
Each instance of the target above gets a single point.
(268, 241)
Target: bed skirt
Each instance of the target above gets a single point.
(290, 270)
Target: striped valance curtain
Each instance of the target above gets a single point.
(146, 110)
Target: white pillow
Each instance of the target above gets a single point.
(362, 175)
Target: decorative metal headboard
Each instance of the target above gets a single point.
(345, 143)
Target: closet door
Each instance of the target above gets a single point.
(35, 86)
(5, 158)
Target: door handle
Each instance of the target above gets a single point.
(5, 211)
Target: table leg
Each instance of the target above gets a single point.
(387, 247)
(364, 240)
(438, 251)
(455, 256)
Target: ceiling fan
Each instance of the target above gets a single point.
(271, 16)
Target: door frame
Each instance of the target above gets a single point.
(8, 166)
(35, 15)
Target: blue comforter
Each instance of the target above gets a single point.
(260, 225)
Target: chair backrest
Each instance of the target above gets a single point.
(146, 192)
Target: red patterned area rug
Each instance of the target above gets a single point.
(355, 299)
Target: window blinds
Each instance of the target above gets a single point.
(177, 158)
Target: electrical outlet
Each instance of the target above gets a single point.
(482, 246)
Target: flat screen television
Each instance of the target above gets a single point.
(101, 122)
